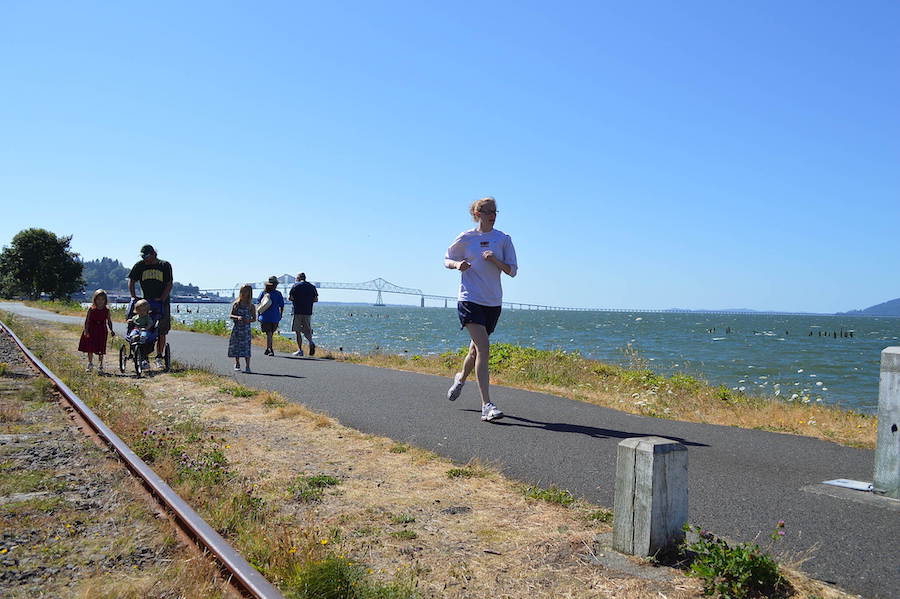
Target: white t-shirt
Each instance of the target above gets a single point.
(481, 282)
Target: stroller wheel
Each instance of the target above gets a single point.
(167, 358)
(123, 359)
(138, 356)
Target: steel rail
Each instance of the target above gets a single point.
(245, 576)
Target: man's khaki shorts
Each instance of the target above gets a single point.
(302, 324)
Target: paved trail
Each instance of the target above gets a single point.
(741, 481)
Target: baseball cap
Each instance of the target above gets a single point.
(146, 250)
(273, 280)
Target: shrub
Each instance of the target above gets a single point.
(738, 572)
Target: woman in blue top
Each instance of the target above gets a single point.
(271, 316)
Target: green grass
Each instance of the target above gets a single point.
(27, 481)
(311, 488)
(399, 448)
(604, 516)
(551, 494)
(210, 327)
(339, 578)
(466, 472)
(402, 519)
(405, 535)
(238, 390)
(3, 368)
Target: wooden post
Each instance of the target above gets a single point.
(887, 450)
(651, 504)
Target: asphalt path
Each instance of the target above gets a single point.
(741, 482)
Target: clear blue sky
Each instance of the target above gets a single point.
(643, 154)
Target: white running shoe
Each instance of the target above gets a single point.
(456, 388)
(299, 352)
(159, 365)
(237, 367)
(490, 412)
(89, 368)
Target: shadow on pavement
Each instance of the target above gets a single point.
(590, 431)
(286, 376)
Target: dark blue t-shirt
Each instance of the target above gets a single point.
(273, 314)
(303, 294)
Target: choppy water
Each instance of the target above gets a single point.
(761, 353)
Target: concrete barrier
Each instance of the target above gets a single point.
(887, 451)
(651, 503)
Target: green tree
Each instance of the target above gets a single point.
(39, 262)
(105, 273)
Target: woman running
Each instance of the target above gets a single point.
(480, 255)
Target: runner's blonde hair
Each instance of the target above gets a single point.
(479, 204)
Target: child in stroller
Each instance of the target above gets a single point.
(142, 317)
(143, 324)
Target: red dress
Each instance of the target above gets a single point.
(96, 326)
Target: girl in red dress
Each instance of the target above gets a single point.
(93, 339)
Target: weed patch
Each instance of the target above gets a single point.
(238, 390)
(552, 494)
(311, 488)
(735, 572)
(464, 473)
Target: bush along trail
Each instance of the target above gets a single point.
(323, 510)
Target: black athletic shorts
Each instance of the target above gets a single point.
(165, 320)
(483, 315)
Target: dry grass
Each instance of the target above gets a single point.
(102, 545)
(10, 411)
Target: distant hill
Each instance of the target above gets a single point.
(889, 308)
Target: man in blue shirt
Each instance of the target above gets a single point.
(303, 294)
(271, 316)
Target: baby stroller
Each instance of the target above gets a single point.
(140, 344)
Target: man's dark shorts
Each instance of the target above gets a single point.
(486, 316)
(165, 320)
(268, 327)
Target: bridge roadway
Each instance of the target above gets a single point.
(381, 286)
(741, 481)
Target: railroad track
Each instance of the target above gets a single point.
(244, 577)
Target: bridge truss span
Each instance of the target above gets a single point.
(380, 286)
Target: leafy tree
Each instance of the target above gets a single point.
(105, 273)
(39, 262)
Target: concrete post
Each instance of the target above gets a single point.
(887, 450)
(651, 503)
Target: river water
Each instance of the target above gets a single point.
(763, 354)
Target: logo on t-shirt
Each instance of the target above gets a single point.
(152, 275)
(485, 244)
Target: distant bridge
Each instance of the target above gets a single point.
(381, 286)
